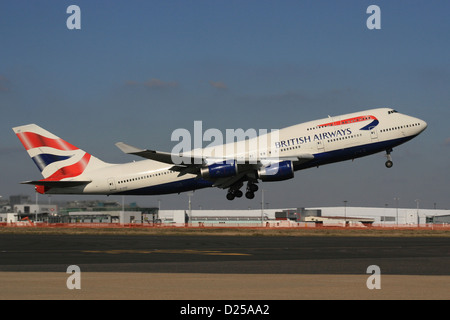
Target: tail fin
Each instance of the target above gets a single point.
(56, 159)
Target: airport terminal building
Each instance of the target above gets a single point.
(112, 212)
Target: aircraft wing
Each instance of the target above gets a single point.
(194, 165)
(174, 159)
(299, 158)
(159, 156)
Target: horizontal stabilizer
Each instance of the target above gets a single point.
(57, 184)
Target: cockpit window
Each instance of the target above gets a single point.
(392, 111)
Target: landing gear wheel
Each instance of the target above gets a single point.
(234, 192)
(249, 195)
(252, 187)
(389, 162)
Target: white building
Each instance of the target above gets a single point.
(35, 212)
(122, 217)
(8, 217)
(216, 216)
(385, 216)
(379, 216)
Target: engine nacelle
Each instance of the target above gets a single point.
(223, 169)
(280, 171)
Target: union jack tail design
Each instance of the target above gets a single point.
(56, 159)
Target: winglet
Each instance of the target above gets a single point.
(126, 148)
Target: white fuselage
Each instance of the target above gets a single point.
(329, 140)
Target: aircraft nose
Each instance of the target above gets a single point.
(422, 125)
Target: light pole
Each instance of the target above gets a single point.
(190, 194)
(418, 219)
(36, 211)
(262, 207)
(345, 213)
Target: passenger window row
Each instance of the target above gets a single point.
(148, 176)
(345, 137)
(400, 127)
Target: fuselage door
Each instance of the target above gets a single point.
(374, 134)
(320, 147)
(112, 184)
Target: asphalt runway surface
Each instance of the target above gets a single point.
(225, 254)
(223, 267)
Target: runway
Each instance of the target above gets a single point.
(308, 262)
(225, 254)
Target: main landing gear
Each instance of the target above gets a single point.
(233, 194)
(389, 162)
(251, 189)
(234, 191)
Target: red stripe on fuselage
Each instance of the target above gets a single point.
(348, 121)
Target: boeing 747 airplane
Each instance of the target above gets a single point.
(69, 170)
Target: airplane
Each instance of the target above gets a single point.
(69, 170)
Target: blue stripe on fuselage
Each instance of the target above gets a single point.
(170, 187)
(371, 125)
(351, 153)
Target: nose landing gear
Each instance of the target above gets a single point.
(389, 162)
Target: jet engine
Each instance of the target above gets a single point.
(223, 169)
(280, 171)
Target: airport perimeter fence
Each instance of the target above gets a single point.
(300, 225)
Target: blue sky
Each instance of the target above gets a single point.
(138, 70)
